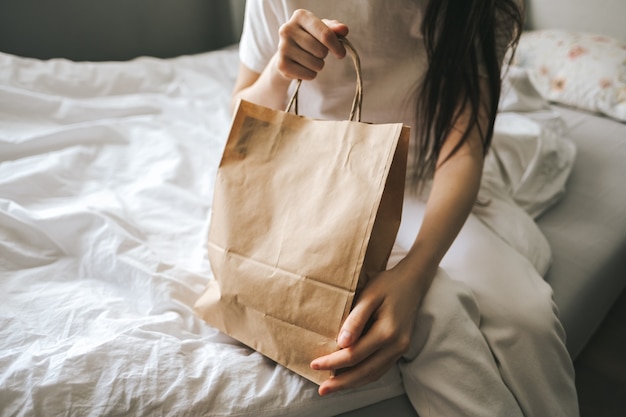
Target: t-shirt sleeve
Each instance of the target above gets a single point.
(259, 38)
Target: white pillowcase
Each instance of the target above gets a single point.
(581, 70)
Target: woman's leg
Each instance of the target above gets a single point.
(449, 369)
(519, 320)
(516, 319)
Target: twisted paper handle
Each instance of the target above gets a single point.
(355, 112)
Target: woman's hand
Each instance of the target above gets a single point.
(305, 41)
(377, 332)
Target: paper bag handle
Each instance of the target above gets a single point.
(355, 112)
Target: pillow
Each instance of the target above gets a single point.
(581, 70)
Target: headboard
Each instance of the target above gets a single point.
(123, 29)
(117, 29)
(606, 17)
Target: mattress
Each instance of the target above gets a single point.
(106, 178)
(587, 227)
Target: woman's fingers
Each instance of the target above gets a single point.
(370, 357)
(305, 41)
(298, 64)
(320, 31)
(369, 371)
(382, 336)
(340, 29)
(359, 317)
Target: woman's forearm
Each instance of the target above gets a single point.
(455, 186)
(268, 88)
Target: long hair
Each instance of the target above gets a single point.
(461, 38)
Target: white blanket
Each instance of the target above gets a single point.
(106, 175)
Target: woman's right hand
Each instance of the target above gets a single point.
(304, 43)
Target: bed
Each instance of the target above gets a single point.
(106, 173)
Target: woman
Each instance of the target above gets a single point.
(468, 319)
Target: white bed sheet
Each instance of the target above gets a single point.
(105, 190)
(106, 176)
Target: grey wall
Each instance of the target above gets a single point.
(124, 29)
(116, 29)
(237, 8)
(606, 17)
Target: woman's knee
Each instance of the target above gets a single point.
(530, 316)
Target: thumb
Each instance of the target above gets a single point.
(340, 29)
(356, 322)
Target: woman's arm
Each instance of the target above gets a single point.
(389, 302)
(304, 43)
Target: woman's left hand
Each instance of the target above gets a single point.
(376, 333)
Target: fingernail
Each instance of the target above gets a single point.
(345, 338)
(315, 365)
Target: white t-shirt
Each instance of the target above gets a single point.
(387, 37)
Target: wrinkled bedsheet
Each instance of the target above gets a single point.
(106, 175)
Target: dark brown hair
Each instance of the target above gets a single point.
(462, 38)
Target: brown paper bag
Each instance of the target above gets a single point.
(303, 211)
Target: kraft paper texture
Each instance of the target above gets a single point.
(304, 211)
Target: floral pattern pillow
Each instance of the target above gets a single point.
(581, 70)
